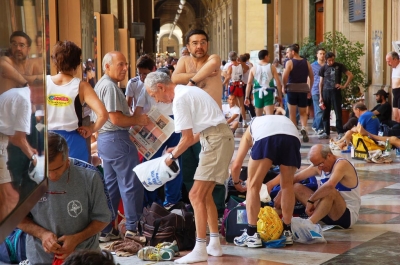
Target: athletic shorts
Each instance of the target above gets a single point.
(5, 176)
(282, 149)
(236, 88)
(297, 98)
(217, 146)
(396, 97)
(265, 100)
(344, 221)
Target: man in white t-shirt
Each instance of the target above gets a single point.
(392, 59)
(198, 117)
(232, 117)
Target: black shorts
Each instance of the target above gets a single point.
(297, 98)
(396, 97)
(344, 221)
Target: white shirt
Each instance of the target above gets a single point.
(195, 109)
(146, 101)
(268, 125)
(133, 90)
(15, 113)
(396, 72)
(232, 111)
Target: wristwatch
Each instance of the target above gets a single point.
(33, 157)
(171, 156)
(191, 81)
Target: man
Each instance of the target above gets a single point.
(197, 115)
(367, 119)
(330, 94)
(72, 212)
(294, 80)
(337, 201)
(317, 125)
(273, 139)
(118, 153)
(184, 51)
(202, 70)
(392, 59)
(382, 110)
(232, 117)
(233, 80)
(260, 78)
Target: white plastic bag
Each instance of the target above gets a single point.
(155, 173)
(304, 231)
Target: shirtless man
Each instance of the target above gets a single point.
(392, 59)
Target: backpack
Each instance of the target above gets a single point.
(13, 249)
(391, 129)
(159, 225)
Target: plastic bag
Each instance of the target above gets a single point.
(155, 173)
(304, 231)
(269, 225)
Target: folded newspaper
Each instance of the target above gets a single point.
(148, 139)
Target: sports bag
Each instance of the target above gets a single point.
(363, 144)
(159, 225)
(12, 250)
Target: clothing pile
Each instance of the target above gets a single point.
(125, 248)
(162, 251)
(376, 156)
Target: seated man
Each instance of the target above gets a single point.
(232, 117)
(383, 110)
(337, 200)
(393, 140)
(366, 119)
(72, 212)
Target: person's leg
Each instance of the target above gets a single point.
(234, 125)
(302, 193)
(198, 197)
(337, 106)
(318, 112)
(214, 247)
(242, 109)
(396, 114)
(332, 205)
(269, 110)
(327, 112)
(292, 113)
(303, 116)
(288, 198)
(190, 161)
(345, 140)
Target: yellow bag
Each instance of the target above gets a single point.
(363, 144)
(269, 225)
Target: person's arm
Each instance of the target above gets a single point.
(180, 75)
(188, 139)
(310, 75)
(228, 76)
(249, 86)
(19, 140)
(231, 119)
(321, 87)
(9, 72)
(245, 144)
(278, 82)
(349, 78)
(210, 68)
(286, 73)
(119, 119)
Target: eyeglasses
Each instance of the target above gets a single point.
(195, 43)
(19, 45)
(320, 164)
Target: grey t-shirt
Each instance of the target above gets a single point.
(113, 99)
(69, 206)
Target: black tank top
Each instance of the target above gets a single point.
(299, 72)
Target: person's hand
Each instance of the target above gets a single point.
(321, 100)
(190, 84)
(310, 208)
(69, 244)
(339, 86)
(247, 102)
(308, 95)
(84, 131)
(277, 200)
(49, 242)
(278, 99)
(283, 91)
(239, 187)
(142, 120)
(168, 161)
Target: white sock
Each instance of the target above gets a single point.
(214, 247)
(198, 254)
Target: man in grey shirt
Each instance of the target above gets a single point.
(71, 213)
(118, 153)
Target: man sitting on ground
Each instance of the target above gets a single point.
(337, 200)
(383, 110)
(232, 118)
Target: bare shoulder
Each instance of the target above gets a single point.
(214, 57)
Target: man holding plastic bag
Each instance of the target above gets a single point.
(198, 117)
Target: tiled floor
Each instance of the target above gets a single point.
(374, 239)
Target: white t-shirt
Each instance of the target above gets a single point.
(234, 110)
(268, 125)
(146, 101)
(133, 89)
(195, 109)
(16, 110)
(396, 72)
(237, 72)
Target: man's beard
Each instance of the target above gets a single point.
(379, 101)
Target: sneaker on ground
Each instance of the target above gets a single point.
(168, 206)
(323, 136)
(24, 262)
(320, 131)
(289, 237)
(304, 134)
(249, 241)
(167, 245)
(340, 136)
(156, 254)
(112, 235)
(314, 129)
(135, 237)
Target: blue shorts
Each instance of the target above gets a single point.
(344, 221)
(297, 98)
(282, 149)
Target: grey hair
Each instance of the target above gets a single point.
(154, 78)
(184, 48)
(107, 59)
(324, 152)
(56, 145)
(232, 56)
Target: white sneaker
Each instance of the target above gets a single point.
(249, 241)
(289, 237)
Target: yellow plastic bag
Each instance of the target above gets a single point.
(269, 225)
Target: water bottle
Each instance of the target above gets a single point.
(388, 147)
(398, 152)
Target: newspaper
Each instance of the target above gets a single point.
(148, 139)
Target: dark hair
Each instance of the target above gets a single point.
(329, 55)
(169, 59)
(195, 32)
(262, 54)
(145, 62)
(164, 70)
(243, 58)
(294, 47)
(247, 55)
(56, 145)
(223, 62)
(20, 33)
(394, 55)
(360, 106)
(90, 257)
(319, 49)
(170, 67)
(66, 55)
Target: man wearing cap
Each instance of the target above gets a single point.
(383, 110)
(392, 59)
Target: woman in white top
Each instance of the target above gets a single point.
(66, 95)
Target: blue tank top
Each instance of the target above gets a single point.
(299, 72)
